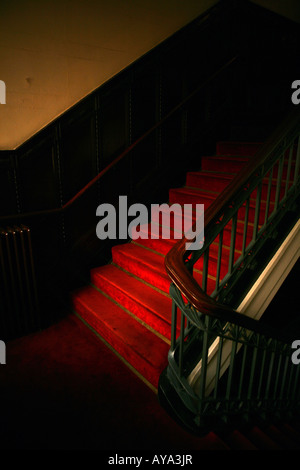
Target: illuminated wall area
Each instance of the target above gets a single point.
(53, 53)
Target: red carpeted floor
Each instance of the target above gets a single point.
(62, 388)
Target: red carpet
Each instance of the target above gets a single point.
(63, 389)
(128, 301)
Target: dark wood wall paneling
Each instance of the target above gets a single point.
(78, 148)
(9, 198)
(58, 161)
(38, 176)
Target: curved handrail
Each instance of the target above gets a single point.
(174, 260)
(123, 154)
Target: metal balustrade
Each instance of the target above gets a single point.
(223, 363)
(241, 372)
(265, 220)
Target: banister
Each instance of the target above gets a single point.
(122, 155)
(205, 304)
(174, 260)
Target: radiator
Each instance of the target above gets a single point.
(19, 305)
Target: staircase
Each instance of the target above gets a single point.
(127, 301)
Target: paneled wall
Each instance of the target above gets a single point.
(49, 169)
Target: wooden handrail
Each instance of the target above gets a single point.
(174, 260)
(92, 182)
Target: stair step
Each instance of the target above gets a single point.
(145, 352)
(194, 196)
(163, 246)
(160, 246)
(245, 149)
(238, 148)
(211, 180)
(150, 266)
(234, 164)
(143, 263)
(191, 196)
(223, 164)
(217, 182)
(146, 303)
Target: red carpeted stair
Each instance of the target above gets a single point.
(127, 302)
